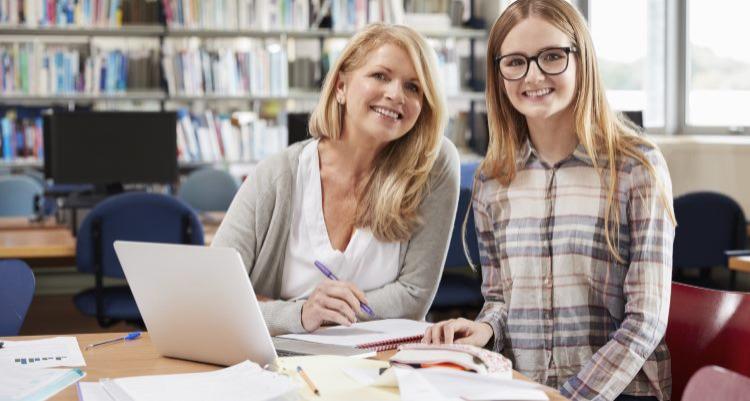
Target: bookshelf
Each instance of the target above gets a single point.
(100, 43)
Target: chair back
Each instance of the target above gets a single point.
(706, 327)
(137, 216)
(18, 195)
(708, 224)
(209, 189)
(717, 383)
(16, 290)
(456, 256)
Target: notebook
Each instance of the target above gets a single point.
(376, 335)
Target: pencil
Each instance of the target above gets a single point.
(307, 380)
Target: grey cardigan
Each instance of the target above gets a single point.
(258, 221)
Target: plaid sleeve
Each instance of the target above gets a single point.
(494, 311)
(646, 290)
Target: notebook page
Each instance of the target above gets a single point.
(375, 331)
(243, 381)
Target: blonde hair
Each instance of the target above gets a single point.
(599, 129)
(391, 197)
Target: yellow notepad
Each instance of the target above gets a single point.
(327, 373)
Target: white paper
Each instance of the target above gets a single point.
(241, 382)
(92, 391)
(46, 353)
(452, 383)
(414, 387)
(364, 333)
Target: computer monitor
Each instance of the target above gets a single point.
(110, 148)
(635, 116)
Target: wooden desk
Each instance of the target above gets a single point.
(740, 263)
(139, 357)
(48, 243)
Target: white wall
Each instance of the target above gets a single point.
(709, 163)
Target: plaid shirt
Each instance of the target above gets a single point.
(564, 311)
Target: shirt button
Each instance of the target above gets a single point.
(546, 280)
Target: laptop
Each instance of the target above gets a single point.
(198, 304)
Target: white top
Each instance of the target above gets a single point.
(366, 261)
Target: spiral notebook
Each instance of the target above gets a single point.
(376, 335)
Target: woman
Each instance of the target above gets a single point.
(372, 197)
(574, 219)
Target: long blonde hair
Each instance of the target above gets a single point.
(599, 129)
(391, 197)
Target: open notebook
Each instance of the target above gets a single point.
(376, 335)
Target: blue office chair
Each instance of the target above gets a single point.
(459, 288)
(135, 217)
(19, 196)
(16, 290)
(709, 224)
(209, 189)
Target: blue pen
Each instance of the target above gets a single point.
(128, 337)
(323, 269)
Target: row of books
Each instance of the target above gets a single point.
(239, 137)
(346, 15)
(242, 14)
(35, 68)
(20, 137)
(78, 13)
(350, 15)
(225, 67)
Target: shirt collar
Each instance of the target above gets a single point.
(527, 152)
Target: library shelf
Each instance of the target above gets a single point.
(457, 33)
(155, 95)
(125, 30)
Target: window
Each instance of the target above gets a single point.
(629, 39)
(718, 75)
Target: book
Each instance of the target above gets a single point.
(21, 384)
(376, 335)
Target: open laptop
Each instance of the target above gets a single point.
(198, 304)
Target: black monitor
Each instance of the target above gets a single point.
(110, 148)
(636, 117)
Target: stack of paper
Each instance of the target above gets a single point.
(241, 382)
(445, 384)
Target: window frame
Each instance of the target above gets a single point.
(676, 75)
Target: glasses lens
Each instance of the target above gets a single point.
(512, 66)
(553, 61)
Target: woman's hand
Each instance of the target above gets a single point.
(459, 331)
(332, 301)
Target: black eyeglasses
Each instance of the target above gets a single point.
(551, 61)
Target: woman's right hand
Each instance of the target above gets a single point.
(332, 301)
(459, 331)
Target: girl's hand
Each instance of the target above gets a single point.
(332, 301)
(459, 331)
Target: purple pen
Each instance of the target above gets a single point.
(328, 273)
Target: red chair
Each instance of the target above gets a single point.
(707, 327)
(716, 383)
